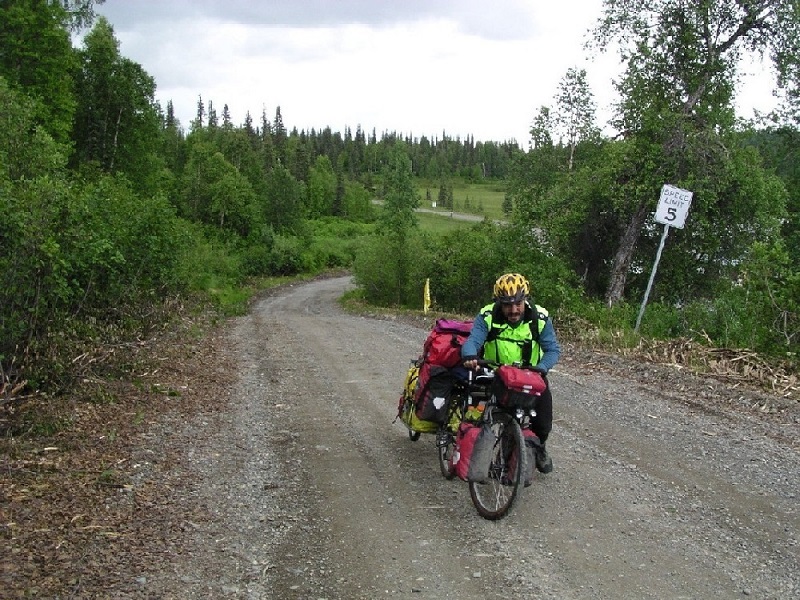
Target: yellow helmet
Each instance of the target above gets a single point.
(511, 288)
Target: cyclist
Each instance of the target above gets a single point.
(511, 330)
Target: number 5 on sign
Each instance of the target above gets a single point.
(672, 209)
(673, 206)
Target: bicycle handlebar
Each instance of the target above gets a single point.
(492, 366)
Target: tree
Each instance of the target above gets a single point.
(117, 124)
(441, 198)
(339, 208)
(575, 111)
(37, 57)
(200, 116)
(780, 148)
(508, 205)
(213, 121)
(81, 12)
(358, 202)
(267, 149)
(26, 151)
(279, 136)
(542, 129)
(400, 202)
(321, 188)
(232, 198)
(283, 208)
(678, 87)
(384, 267)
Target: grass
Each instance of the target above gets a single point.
(484, 199)
(440, 223)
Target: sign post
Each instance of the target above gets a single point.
(673, 206)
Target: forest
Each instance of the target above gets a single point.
(116, 214)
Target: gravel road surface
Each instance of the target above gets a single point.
(301, 486)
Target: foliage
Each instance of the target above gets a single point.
(677, 92)
(321, 188)
(111, 211)
(389, 280)
(466, 263)
(333, 242)
(779, 146)
(37, 58)
(386, 281)
(117, 121)
(282, 209)
(358, 203)
(27, 150)
(575, 120)
(762, 311)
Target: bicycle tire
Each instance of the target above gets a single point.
(413, 434)
(494, 498)
(445, 446)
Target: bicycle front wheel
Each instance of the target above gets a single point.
(494, 497)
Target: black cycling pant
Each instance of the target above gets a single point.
(542, 423)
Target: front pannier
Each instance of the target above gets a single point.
(515, 387)
(475, 448)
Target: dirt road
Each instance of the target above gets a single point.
(303, 488)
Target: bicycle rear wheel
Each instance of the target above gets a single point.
(405, 417)
(445, 446)
(494, 498)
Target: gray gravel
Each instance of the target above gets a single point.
(307, 489)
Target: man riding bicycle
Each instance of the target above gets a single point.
(510, 330)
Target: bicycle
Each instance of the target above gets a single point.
(513, 453)
(474, 400)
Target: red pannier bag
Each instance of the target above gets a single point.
(515, 387)
(443, 344)
(474, 451)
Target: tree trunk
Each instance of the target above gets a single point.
(624, 255)
(115, 141)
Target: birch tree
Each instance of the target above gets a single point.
(677, 91)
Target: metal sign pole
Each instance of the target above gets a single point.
(652, 277)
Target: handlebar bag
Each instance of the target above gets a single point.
(474, 450)
(517, 388)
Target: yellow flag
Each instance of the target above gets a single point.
(426, 300)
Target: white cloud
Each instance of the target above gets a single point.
(467, 67)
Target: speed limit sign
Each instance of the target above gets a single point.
(673, 206)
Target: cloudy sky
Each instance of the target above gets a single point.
(419, 67)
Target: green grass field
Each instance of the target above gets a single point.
(484, 199)
(440, 223)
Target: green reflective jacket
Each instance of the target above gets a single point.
(509, 345)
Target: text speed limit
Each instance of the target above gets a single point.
(673, 206)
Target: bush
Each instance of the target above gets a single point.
(465, 265)
(392, 275)
(286, 256)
